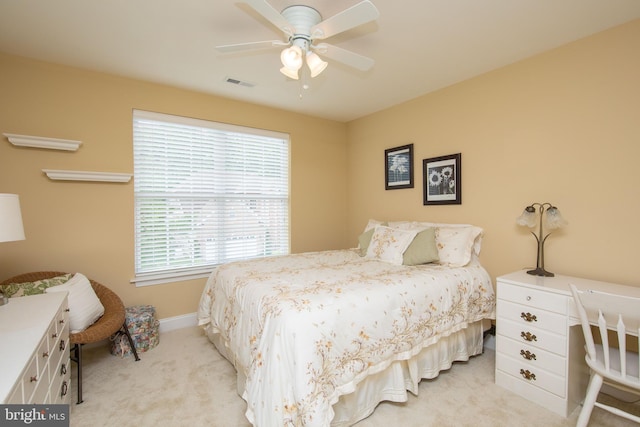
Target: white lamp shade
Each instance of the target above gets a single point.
(11, 228)
(291, 57)
(292, 74)
(315, 64)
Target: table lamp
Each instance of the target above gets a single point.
(539, 213)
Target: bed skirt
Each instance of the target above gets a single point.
(401, 376)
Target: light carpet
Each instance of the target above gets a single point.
(185, 382)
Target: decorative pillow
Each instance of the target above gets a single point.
(423, 249)
(84, 306)
(388, 244)
(363, 241)
(456, 244)
(15, 290)
(414, 225)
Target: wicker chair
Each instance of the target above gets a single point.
(111, 322)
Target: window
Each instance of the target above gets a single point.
(206, 193)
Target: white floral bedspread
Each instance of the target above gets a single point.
(305, 329)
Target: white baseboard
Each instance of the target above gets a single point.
(178, 322)
(166, 325)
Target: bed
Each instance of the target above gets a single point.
(321, 338)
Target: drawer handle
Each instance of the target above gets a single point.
(528, 317)
(63, 345)
(54, 335)
(528, 336)
(64, 389)
(528, 298)
(45, 354)
(66, 309)
(33, 379)
(63, 369)
(527, 375)
(61, 322)
(528, 355)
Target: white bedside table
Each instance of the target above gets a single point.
(539, 341)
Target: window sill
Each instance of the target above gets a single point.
(149, 279)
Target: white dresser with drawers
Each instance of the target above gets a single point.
(539, 341)
(34, 350)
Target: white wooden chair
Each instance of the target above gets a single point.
(609, 364)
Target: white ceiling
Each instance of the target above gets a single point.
(419, 45)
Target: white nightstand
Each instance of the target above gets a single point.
(539, 341)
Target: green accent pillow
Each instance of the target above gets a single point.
(423, 249)
(15, 290)
(364, 239)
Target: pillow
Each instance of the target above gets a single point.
(423, 248)
(415, 225)
(15, 290)
(404, 225)
(388, 244)
(456, 244)
(363, 241)
(84, 306)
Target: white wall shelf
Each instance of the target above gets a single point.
(65, 175)
(42, 142)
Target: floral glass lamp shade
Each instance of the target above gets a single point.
(11, 228)
(543, 215)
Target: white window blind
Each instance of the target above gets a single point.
(206, 193)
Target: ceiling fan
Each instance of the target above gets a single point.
(303, 26)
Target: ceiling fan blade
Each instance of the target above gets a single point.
(352, 17)
(344, 56)
(239, 47)
(271, 15)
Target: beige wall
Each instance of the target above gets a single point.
(561, 127)
(88, 227)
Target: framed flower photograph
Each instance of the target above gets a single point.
(398, 167)
(442, 183)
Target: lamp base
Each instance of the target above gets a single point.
(541, 272)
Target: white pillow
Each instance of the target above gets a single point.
(457, 244)
(84, 306)
(404, 225)
(388, 244)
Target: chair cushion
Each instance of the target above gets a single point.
(84, 306)
(14, 290)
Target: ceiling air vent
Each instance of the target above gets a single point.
(238, 82)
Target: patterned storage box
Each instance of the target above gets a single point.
(144, 330)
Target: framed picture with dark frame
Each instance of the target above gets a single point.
(398, 167)
(442, 183)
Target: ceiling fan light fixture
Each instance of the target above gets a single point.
(315, 64)
(303, 26)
